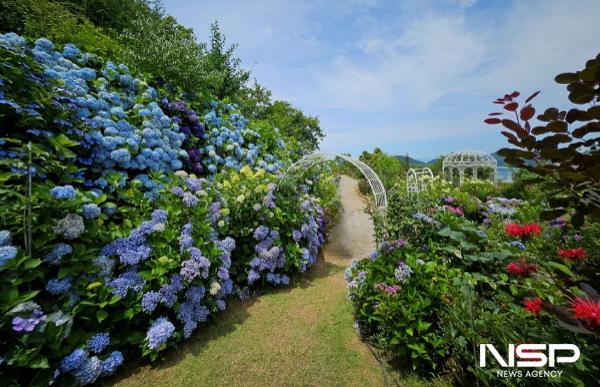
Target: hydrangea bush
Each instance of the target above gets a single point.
(128, 218)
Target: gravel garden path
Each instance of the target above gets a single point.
(300, 335)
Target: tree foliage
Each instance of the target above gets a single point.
(36, 18)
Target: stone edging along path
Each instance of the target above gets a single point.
(300, 335)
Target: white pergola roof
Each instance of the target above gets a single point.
(468, 159)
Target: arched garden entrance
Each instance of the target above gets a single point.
(307, 162)
(418, 179)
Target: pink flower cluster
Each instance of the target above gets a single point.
(389, 289)
(457, 210)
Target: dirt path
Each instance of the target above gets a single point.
(301, 335)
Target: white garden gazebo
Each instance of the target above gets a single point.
(418, 179)
(468, 160)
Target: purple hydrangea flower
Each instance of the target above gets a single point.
(177, 191)
(195, 293)
(253, 276)
(20, 324)
(261, 233)
(296, 235)
(193, 184)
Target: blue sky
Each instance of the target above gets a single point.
(412, 76)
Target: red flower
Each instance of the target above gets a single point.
(576, 254)
(533, 305)
(521, 268)
(513, 229)
(531, 229)
(518, 230)
(586, 309)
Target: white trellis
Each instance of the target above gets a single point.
(468, 160)
(418, 179)
(307, 162)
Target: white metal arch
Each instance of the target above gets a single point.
(311, 160)
(418, 179)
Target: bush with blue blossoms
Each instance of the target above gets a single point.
(231, 142)
(110, 250)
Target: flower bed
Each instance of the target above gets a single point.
(486, 270)
(128, 218)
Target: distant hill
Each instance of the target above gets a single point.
(412, 161)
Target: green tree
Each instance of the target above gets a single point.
(111, 14)
(159, 45)
(295, 125)
(226, 75)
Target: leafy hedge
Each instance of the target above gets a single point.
(129, 218)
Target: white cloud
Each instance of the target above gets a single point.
(428, 60)
(439, 55)
(425, 68)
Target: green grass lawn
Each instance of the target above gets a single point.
(301, 335)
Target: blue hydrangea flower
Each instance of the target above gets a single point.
(57, 252)
(130, 280)
(91, 211)
(195, 293)
(6, 253)
(149, 301)
(98, 342)
(112, 362)
(160, 331)
(74, 360)
(89, 372)
(65, 192)
(5, 238)
(518, 244)
(59, 286)
(120, 155)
